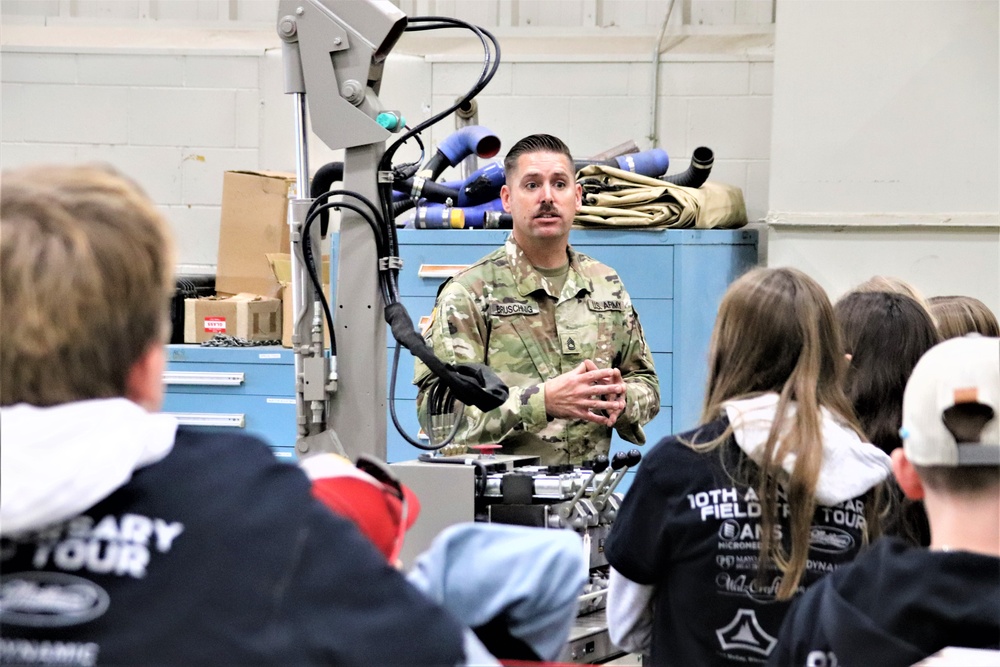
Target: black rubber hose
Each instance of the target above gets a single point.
(471, 384)
(327, 175)
(426, 189)
(402, 206)
(701, 166)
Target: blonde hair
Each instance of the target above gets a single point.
(86, 274)
(960, 315)
(776, 332)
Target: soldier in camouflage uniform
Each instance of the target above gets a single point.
(557, 326)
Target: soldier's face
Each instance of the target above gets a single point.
(542, 196)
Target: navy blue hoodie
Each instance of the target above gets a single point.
(214, 554)
(895, 605)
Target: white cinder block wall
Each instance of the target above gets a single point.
(175, 92)
(171, 113)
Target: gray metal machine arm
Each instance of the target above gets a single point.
(333, 53)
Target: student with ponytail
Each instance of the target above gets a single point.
(777, 486)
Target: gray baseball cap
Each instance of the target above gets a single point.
(958, 375)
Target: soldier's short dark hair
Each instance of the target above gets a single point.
(535, 143)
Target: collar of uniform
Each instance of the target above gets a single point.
(529, 280)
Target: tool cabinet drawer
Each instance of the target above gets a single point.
(258, 371)
(270, 418)
(267, 355)
(246, 389)
(425, 267)
(230, 379)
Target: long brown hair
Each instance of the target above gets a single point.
(776, 332)
(885, 334)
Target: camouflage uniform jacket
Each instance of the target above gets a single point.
(502, 312)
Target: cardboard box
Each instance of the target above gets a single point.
(254, 223)
(281, 267)
(249, 316)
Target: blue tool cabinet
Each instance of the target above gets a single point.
(249, 389)
(676, 279)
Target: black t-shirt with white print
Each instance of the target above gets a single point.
(687, 528)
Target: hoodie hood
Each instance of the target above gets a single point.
(850, 465)
(57, 461)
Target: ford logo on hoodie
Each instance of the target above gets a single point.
(49, 599)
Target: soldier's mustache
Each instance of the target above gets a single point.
(545, 209)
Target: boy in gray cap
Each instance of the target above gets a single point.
(895, 604)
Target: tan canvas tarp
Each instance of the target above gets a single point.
(616, 198)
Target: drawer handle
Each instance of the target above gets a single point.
(440, 270)
(203, 378)
(209, 419)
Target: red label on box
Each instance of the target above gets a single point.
(215, 324)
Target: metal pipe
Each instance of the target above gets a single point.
(301, 147)
(295, 227)
(593, 596)
(654, 106)
(465, 115)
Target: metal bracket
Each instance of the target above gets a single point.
(390, 263)
(314, 378)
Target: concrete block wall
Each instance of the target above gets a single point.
(173, 119)
(177, 107)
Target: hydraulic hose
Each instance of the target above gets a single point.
(471, 384)
(460, 144)
(481, 186)
(489, 215)
(326, 176)
(401, 206)
(701, 166)
(417, 187)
